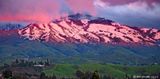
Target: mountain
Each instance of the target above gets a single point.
(81, 39)
(11, 26)
(87, 29)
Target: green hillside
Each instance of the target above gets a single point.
(14, 47)
(116, 71)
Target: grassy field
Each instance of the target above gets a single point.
(116, 71)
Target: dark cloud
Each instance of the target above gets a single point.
(138, 13)
(122, 2)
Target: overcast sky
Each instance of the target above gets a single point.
(130, 12)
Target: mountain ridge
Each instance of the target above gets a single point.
(87, 29)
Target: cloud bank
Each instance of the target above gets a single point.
(131, 12)
(25, 10)
(42, 10)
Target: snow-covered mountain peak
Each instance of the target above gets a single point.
(81, 29)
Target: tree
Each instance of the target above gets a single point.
(13, 78)
(54, 76)
(95, 75)
(7, 74)
(63, 78)
(126, 76)
(17, 61)
(47, 63)
(87, 75)
(42, 75)
(5, 65)
(106, 77)
(41, 63)
(158, 75)
(79, 74)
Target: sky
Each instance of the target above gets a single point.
(131, 12)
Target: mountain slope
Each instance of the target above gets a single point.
(13, 47)
(87, 29)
